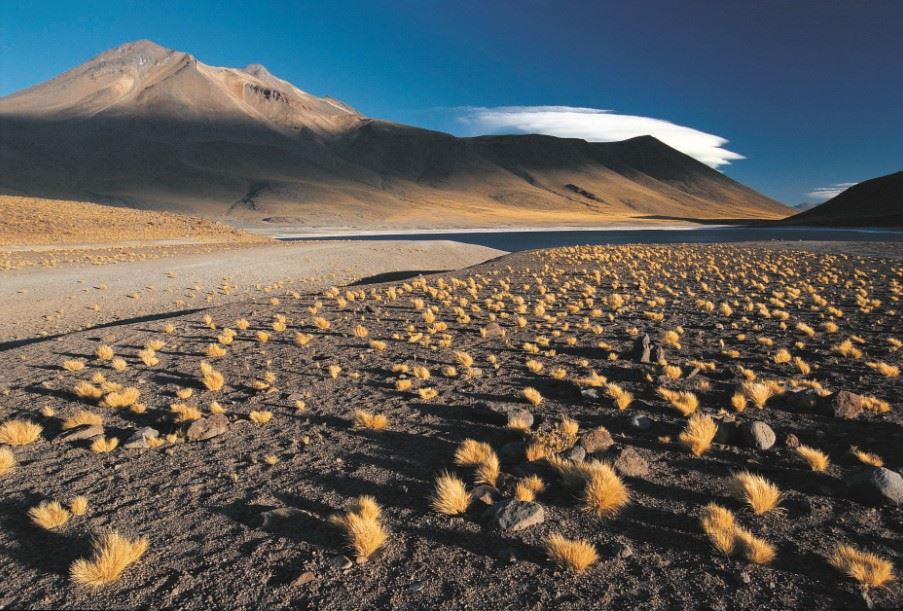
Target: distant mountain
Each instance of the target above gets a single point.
(805, 206)
(147, 127)
(872, 203)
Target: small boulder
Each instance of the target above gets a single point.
(513, 515)
(138, 439)
(577, 454)
(303, 579)
(589, 394)
(485, 493)
(642, 349)
(641, 422)
(847, 405)
(630, 463)
(520, 419)
(875, 485)
(792, 441)
(596, 440)
(802, 400)
(80, 433)
(513, 452)
(728, 430)
(493, 329)
(341, 562)
(757, 434)
(207, 428)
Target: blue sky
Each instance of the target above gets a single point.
(810, 94)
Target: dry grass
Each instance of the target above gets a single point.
(719, 524)
(885, 369)
(532, 396)
(756, 550)
(699, 434)
(761, 495)
(870, 570)
(122, 398)
(450, 496)
(757, 392)
(572, 554)
(82, 417)
(113, 553)
(213, 380)
(528, 488)
(368, 420)
(79, 505)
(86, 390)
(604, 493)
(49, 515)
(260, 416)
(683, 401)
(363, 527)
(867, 458)
(102, 445)
(471, 453)
(817, 460)
(7, 461)
(19, 432)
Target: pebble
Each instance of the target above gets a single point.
(304, 578)
(341, 562)
(641, 422)
(846, 405)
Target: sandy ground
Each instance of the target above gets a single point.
(49, 301)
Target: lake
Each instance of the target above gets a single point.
(517, 240)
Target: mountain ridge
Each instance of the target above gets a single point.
(149, 127)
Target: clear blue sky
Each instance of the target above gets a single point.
(810, 93)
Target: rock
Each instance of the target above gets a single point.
(490, 414)
(845, 404)
(341, 562)
(282, 520)
(513, 452)
(139, 438)
(630, 463)
(791, 441)
(875, 485)
(520, 418)
(641, 422)
(625, 552)
(660, 355)
(513, 515)
(642, 349)
(485, 493)
(577, 454)
(757, 434)
(207, 428)
(802, 400)
(728, 430)
(304, 578)
(597, 440)
(493, 330)
(416, 586)
(589, 393)
(80, 433)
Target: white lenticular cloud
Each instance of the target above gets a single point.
(826, 193)
(596, 125)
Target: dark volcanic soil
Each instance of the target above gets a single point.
(200, 502)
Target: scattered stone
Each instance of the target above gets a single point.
(630, 463)
(728, 430)
(625, 552)
(80, 433)
(875, 485)
(802, 400)
(493, 329)
(513, 515)
(757, 434)
(641, 422)
(207, 428)
(304, 578)
(847, 405)
(642, 349)
(416, 586)
(589, 393)
(139, 438)
(597, 440)
(521, 417)
(341, 562)
(792, 441)
(485, 493)
(577, 454)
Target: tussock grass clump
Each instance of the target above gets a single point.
(760, 494)
(699, 433)
(489, 470)
(7, 461)
(19, 432)
(367, 420)
(104, 352)
(621, 397)
(727, 536)
(532, 396)
(867, 458)
(817, 460)
(568, 426)
(757, 392)
(472, 453)
(185, 412)
(73, 365)
(82, 417)
(572, 554)
(683, 401)
(49, 515)
(113, 553)
(79, 505)
(870, 570)
(450, 496)
(213, 380)
(86, 390)
(604, 493)
(260, 416)
(363, 527)
(756, 550)
(888, 371)
(122, 398)
(528, 488)
(102, 445)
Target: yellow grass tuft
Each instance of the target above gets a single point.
(102, 445)
(699, 433)
(532, 396)
(889, 371)
(489, 470)
(104, 352)
(215, 351)
(572, 554)
(113, 553)
(738, 401)
(363, 527)
(621, 397)
(19, 432)
(683, 401)
(568, 426)
(403, 385)
(73, 365)
(672, 372)
(870, 570)
(119, 364)
(537, 451)
(528, 487)
(86, 390)
(427, 394)
(604, 493)
(367, 420)
(756, 550)
(185, 412)
(49, 515)
(718, 523)
(79, 505)
(213, 380)
(472, 452)
(450, 496)
(82, 417)
(260, 416)
(123, 398)
(7, 461)
(867, 458)
(761, 495)
(757, 392)
(818, 460)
